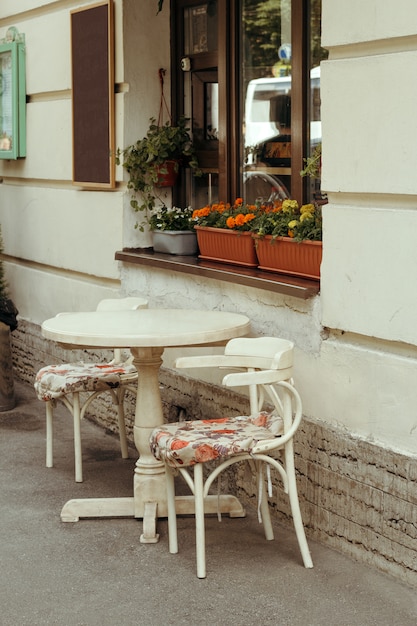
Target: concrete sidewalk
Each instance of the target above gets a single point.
(96, 573)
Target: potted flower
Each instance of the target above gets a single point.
(289, 238)
(224, 232)
(8, 323)
(154, 162)
(173, 230)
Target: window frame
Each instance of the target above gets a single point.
(230, 113)
(229, 152)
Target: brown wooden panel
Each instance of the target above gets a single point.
(92, 55)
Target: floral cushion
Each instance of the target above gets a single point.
(187, 443)
(54, 381)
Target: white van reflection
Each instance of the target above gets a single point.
(268, 133)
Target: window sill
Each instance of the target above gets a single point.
(278, 283)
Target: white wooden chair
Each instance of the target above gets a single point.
(65, 382)
(265, 366)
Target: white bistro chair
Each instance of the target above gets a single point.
(65, 382)
(264, 439)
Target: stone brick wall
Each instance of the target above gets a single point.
(356, 497)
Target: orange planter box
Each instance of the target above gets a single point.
(286, 256)
(227, 246)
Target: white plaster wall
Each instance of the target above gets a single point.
(59, 240)
(363, 386)
(369, 269)
(146, 45)
(345, 22)
(41, 293)
(369, 124)
(55, 228)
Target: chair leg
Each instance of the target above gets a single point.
(49, 434)
(295, 506)
(172, 514)
(264, 505)
(77, 438)
(122, 424)
(199, 521)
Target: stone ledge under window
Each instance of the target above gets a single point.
(288, 285)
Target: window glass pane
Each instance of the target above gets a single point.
(200, 28)
(266, 98)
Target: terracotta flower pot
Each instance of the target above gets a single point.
(168, 177)
(227, 246)
(287, 256)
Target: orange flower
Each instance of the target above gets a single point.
(230, 222)
(249, 217)
(201, 212)
(238, 201)
(239, 219)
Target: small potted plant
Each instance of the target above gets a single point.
(173, 231)
(154, 161)
(8, 323)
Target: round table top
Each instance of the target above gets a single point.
(145, 328)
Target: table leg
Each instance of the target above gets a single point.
(149, 490)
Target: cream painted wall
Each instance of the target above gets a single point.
(368, 297)
(368, 107)
(369, 169)
(59, 240)
(356, 21)
(368, 274)
(146, 45)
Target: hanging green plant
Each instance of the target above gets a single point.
(145, 162)
(155, 160)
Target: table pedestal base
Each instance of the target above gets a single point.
(73, 510)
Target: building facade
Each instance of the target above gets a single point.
(356, 340)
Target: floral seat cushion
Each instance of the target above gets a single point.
(187, 443)
(54, 381)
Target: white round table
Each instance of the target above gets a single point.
(146, 332)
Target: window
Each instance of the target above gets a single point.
(247, 73)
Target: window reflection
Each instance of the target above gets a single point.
(212, 111)
(266, 99)
(266, 80)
